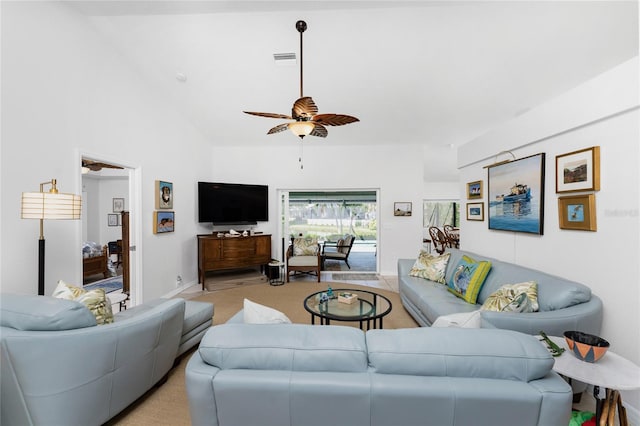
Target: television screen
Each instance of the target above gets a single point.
(232, 203)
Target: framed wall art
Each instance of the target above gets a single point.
(112, 219)
(402, 209)
(578, 170)
(164, 195)
(163, 222)
(118, 205)
(577, 212)
(474, 190)
(516, 195)
(475, 211)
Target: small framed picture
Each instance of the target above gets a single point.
(578, 170)
(164, 195)
(118, 205)
(402, 209)
(112, 219)
(475, 211)
(163, 222)
(474, 190)
(577, 212)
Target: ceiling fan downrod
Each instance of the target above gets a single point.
(301, 26)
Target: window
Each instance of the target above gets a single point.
(440, 212)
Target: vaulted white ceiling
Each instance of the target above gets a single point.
(438, 73)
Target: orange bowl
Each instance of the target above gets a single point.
(586, 347)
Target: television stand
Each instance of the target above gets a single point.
(227, 253)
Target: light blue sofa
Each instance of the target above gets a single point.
(58, 367)
(564, 304)
(295, 374)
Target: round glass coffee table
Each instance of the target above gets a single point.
(369, 308)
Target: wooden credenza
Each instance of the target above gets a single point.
(223, 253)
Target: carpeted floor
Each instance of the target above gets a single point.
(168, 405)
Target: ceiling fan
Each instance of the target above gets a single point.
(96, 166)
(306, 120)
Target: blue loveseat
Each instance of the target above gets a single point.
(563, 304)
(298, 374)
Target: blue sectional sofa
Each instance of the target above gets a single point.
(57, 367)
(563, 304)
(295, 374)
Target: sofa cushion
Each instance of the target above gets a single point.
(458, 352)
(290, 347)
(43, 313)
(468, 277)
(95, 300)
(305, 247)
(521, 297)
(430, 267)
(255, 313)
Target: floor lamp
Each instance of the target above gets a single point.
(48, 205)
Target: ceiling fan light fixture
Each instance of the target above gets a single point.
(301, 128)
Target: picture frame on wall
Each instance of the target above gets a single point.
(578, 170)
(164, 195)
(474, 190)
(516, 195)
(118, 205)
(577, 212)
(163, 222)
(112, 219)
(475, 211)
(402, 209)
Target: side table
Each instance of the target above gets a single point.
(612, 372)
(275, 272)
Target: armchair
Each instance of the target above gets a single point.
(339, 250)
(303, 255)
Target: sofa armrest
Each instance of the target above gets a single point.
(585, 317)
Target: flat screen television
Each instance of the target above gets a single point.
(232, 203)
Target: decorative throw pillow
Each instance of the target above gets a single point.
(305, 247)
(96, 300)
(521, 297)
(468, 277)
(255, 313)
(430, 267)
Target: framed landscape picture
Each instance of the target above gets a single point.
(402, 209)
(475, 211)
(577, 212)
(474, 190)
(578, 170)
(516, 195)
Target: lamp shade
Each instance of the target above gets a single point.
(301, 128)
(48, 205)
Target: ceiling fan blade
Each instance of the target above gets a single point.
(319, 130)
(96, 166)
(304, 107)
(269, 115)
(334, 119)
(279, 128)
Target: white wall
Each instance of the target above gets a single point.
(396, 170)
(65, 91)
(603, 112)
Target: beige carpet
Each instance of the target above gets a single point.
(168, 405)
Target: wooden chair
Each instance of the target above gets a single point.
(439, 239)
(303, 256)
(452, 236)
(338, 250)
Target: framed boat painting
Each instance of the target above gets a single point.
(516, 195)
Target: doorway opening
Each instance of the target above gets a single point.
(108, 205)
(331, 215)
